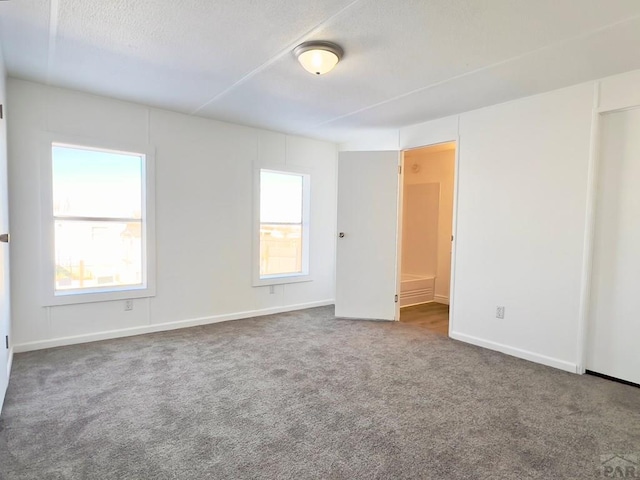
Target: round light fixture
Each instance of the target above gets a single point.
(318, 57)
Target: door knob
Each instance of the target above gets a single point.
(4, 238)
(341, 234)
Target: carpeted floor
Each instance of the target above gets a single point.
(304, 395)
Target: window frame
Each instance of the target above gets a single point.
(284, 278)
(49, 295)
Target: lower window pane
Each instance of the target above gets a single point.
(280, 249)
(97, 254)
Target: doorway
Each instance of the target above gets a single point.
(5, 353)
(426, 226)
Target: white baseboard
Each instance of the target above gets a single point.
(441, 299)
(516, 352)
(162, 327)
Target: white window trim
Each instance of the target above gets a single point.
(281, 279)
(49, 297)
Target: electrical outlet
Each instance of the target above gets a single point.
(128, 305)
(499, 312)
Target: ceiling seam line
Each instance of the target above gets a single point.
(478, 70)
(53, 35)
(275, 58)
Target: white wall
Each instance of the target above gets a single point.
(520, 222)
(371, 140)
(619, 92)
(522, 197)
(5, 309)
(429, 133)
(204, 174)
(436, 166)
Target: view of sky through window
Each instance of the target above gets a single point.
(280, 197)
(96, 183)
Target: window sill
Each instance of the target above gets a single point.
(281, 280)
(95, 297)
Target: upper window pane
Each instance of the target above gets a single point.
(96, 183)
(280, 197)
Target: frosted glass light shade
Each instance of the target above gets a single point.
(318, 57)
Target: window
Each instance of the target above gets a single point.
(99, 223)
(283, 246)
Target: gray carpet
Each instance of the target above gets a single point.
(304, 395)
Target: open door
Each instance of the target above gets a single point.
(614, 330)
(366, 265)
(4, 262)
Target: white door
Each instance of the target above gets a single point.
(614, 329)
(367, 239)
(4, 262)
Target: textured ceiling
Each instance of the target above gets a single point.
(405, 61)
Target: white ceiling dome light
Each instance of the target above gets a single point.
(318, 57)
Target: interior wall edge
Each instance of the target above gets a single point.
(10, 361)
(9, 364)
